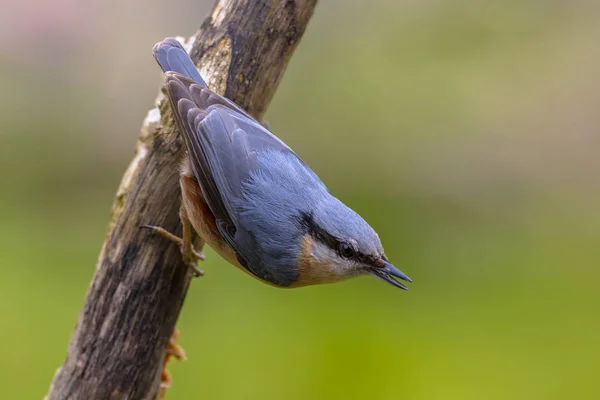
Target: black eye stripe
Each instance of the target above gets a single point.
(317, 232)
(310, 225)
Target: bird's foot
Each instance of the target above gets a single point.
(173, 351)
(190, 255)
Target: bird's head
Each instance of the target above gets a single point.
(340, 244)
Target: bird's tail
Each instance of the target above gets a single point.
(171, 56)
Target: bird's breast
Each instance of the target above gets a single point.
(200, 216)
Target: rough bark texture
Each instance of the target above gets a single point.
(140, 283)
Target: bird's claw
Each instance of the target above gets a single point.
(173, 351)
(190, 255)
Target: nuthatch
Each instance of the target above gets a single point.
(253, 200)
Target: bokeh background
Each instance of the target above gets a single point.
(466, 132)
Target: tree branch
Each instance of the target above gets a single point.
(140, 283)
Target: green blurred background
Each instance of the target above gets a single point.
(466, 132)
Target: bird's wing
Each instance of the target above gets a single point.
(222, 142)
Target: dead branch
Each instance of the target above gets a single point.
(118, 346)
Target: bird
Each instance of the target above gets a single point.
(253, 200)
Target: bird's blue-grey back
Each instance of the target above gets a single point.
(279, 192)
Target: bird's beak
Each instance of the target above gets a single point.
(388, 272)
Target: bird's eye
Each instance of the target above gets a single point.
(346, 250)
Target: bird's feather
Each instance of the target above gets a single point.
(171, 56)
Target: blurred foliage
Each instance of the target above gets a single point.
(466, 132)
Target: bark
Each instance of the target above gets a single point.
(118, 346)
